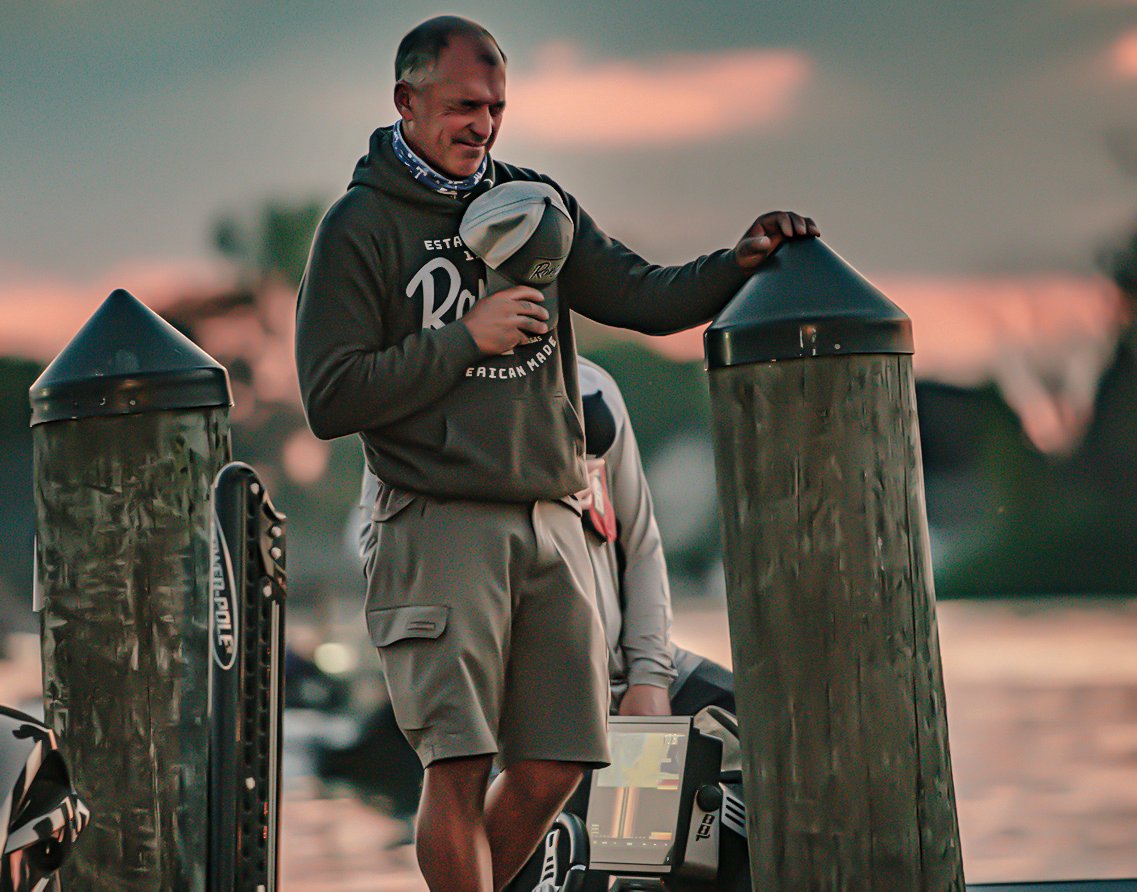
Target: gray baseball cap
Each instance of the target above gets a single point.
(523, 233)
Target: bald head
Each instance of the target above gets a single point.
(419, 51)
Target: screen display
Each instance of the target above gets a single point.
(633, 807)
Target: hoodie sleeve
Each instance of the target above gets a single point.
(349, 381)
(611, 284)
(646, 596)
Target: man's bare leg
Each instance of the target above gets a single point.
(522, 802)
(450, 835)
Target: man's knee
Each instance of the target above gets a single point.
(547, 780)
(458, 784)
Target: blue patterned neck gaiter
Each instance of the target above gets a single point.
(426, 174)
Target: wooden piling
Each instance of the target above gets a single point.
(847, 772)
(130, 428)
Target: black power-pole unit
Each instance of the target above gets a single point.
(246, 668)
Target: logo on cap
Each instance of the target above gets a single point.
(544, 270)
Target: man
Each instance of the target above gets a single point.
(482, 606)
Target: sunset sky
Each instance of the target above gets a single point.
(936, 144)
(948, 138)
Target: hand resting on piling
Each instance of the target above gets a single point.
(767, 233)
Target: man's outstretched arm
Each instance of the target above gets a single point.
(612, 284)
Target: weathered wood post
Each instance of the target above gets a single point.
(829, 584)
(131, 425)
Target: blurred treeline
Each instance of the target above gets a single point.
(1005, 518)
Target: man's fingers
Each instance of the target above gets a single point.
(804, 226)
(531, 324)
(523, 300)
(528, 308)
(768, 232)
(755, 248)
(751, 252)
(786, 224)
(759, 244)
(776, 223)
(503, 320)
(522, 292)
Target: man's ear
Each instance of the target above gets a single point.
(403, 100)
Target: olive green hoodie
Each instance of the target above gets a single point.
(381, 350)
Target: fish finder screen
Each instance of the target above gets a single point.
(633, 808)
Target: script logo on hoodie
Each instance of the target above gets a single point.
(451, 301)
(436, 309)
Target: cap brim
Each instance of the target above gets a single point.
(496, 282)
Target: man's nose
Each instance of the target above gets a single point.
(482, 124)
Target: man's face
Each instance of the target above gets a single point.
(451, 118)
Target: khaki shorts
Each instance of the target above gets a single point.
(486, 624)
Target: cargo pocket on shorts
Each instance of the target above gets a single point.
(389, 625)
(404, 636)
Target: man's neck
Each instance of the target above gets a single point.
(425, 173)
(435, 168)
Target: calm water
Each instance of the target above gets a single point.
(1042, 706)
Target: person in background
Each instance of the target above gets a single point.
(648, 673)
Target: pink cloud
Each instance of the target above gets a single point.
(40, 313)
(1044, 341)
(1123, 55)
(669, 100)
(305, 458)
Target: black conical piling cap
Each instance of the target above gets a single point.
(805, 301)
(127, 359)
